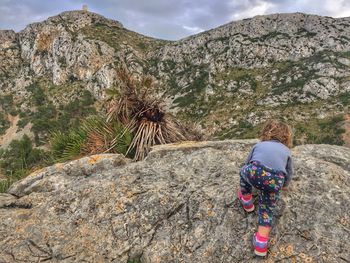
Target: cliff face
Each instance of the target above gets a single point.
(177, 205)
(57, 49)
(228, 79)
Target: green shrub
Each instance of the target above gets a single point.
(6, 101)
(87, 99)
(269, 35)
(67, 145)
(19, 159)
(38, 96)
(93, 135)
(345, 98)
(243, 124)
(4, 123)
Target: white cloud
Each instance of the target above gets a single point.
(166, 19)
(193, 30)
(260, 8)
(337, 8)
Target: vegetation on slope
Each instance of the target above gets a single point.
(46, 116)
(135, 121)
(22, 156)
(19, 159)
(235, 102)
(116, 37)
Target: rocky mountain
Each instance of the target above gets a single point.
(229, 79)
(178, 205)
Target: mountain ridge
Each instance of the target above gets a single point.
(266, 16)
(99, 17)
(229, 79)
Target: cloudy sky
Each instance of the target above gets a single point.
(166, 19)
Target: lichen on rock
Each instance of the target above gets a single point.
(178, 205)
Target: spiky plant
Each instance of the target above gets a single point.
(67, 145)
(133, 103)
(95, 135)
(103, 136)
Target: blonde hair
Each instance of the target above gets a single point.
(275, 130)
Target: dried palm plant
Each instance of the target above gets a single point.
(133, 104)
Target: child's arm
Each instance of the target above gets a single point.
(289, 174)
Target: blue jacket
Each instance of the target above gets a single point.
(273, 154)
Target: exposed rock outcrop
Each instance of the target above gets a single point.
(178, 205)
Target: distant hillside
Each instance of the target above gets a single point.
(229, 79)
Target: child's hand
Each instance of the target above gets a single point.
(285, 188)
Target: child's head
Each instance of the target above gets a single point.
(275, 130)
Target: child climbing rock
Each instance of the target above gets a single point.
(268, 168)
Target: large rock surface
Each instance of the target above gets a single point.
(178, 205)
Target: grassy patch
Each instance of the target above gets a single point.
(115, 36)
(316, 131)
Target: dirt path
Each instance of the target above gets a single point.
(6, 138)
(11, 133)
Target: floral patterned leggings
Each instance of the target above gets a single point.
(269, 181)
